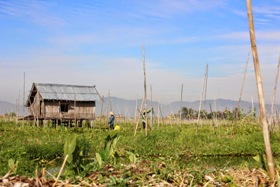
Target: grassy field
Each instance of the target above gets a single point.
(186, 155)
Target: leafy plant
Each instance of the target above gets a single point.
(69, 147)
(109, 151)
(76, 149)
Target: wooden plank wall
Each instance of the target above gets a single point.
(84, 110)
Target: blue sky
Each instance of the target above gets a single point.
(100, 43)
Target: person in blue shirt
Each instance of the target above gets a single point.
(111, 120)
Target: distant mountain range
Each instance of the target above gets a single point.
(128, 107)
(6, 107)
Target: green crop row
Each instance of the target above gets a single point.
(91, 149)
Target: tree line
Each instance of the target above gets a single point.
(226, 114)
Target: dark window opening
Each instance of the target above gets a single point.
(64, 108)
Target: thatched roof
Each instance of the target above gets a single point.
(62, 92)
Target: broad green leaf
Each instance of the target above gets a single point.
(132, 157)
(69, 148)
(98, 159)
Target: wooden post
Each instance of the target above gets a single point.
(260, 91)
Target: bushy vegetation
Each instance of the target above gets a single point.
(166, 150)
(189, 113)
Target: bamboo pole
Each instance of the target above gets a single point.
(23, 94)
(17, 111)
(101, 98)
(125, 113)
(274, 94)
(145, 89)
(277, 117)
(198, 115)
(158, 113)
(199, 108)
(161, 114)
(109, 102)
(213, 122)
(151, 114)
(181, 105)
(260, 91)
(108, 109)
(23, 99)
(75, 111)
(60, 114)
(139, 115)
(170, 117)
(241, 91)
(136, 107)
(203, 94)
(206, 80)
(252, 105)
(60, 171)
(102, 104)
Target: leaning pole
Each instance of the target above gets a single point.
(260, 91)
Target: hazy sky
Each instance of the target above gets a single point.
(99, 42)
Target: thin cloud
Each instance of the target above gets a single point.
(167, 7)
(266, 15)
(34, 11)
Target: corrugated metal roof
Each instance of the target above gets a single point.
(67, 92)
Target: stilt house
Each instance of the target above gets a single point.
(62, 102)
